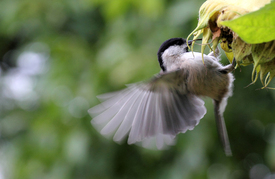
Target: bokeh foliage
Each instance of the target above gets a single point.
(56, 56)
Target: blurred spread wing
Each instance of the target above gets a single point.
(153, 112)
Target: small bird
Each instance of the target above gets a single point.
(152, 113)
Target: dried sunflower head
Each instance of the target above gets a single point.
(215, 24)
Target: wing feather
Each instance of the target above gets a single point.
(152, 113)
(126, 124)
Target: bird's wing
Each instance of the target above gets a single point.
(154, 111)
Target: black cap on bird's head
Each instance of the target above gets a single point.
(171, 42)
(165, 45)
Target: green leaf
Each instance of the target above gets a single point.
(255, 27)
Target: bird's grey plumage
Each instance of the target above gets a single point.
(157, 110)
(161, 107)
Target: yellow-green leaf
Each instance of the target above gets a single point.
(255, 27)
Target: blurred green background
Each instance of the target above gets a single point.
(57, 56)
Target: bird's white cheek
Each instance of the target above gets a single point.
(172, 67)
(173, 62)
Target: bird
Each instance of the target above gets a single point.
(153, 112)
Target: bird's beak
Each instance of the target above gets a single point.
(190, 41)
